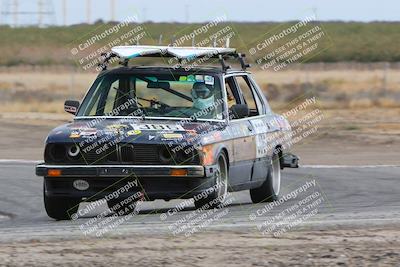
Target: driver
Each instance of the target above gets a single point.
(202, 95)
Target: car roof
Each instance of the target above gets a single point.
(156, 69)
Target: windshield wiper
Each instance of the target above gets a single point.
(154, 101)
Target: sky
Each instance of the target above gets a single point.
(206, 10)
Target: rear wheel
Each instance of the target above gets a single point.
(60, 208)
(269, 190)
(216, 196)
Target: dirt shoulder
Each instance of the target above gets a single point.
(366, 247)
(343, 137)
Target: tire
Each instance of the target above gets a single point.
(60, 208)
(269, 190)
(217, 197)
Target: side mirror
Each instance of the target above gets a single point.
(240, 111)
(71, 106)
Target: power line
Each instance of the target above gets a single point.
(11, 13)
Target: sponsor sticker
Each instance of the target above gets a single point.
(83, 132)
(173, 136)
(70, 109)
(262, 145)
(74, 134)
(260, 125)
(88, 132)
(217, 136)
(157, 127)
(134, 132)
(199, 78)
(209, 80)
(191, 132)
(117, 126)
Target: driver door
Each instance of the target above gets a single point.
(243, 140)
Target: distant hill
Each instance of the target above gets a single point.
(350, 41)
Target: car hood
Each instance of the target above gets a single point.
(135, 131)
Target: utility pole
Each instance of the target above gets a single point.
(144, 14)
(88, 4)
(40, 13)
(15, 11)
(112, 8)
(64, 12)
(187, 13)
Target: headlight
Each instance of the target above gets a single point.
(165, 155)
(73, 151)
(56, 152)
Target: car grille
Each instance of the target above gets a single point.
(143, 154)
(123, 153)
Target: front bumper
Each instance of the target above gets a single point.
(123, 170)
(155, 181)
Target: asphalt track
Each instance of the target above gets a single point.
(350, 196)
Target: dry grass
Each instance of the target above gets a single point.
(69, 83)
(48, 107)
(39, 91)
(334, 88)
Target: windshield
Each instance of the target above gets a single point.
(196, 96)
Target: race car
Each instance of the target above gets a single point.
(166, 132)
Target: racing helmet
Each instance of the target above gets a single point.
(202, 95)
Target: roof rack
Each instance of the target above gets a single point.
(126, 53)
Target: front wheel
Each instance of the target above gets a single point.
(269, 190)
(60, 208)
(214, 198)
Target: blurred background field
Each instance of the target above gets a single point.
(351, 41)
(356, 82)
(336, 86)
(359, 69)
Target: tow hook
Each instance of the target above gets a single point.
(290, 161)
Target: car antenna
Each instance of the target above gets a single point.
(160, 39)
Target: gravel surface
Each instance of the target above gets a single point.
(366, 247)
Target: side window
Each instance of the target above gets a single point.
(250, 97)
(232, 95)
(262, 101)
(111, 97)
